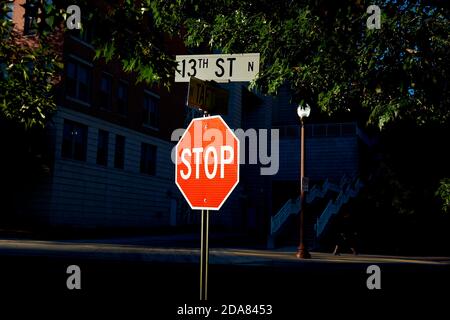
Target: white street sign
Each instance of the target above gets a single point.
(217, 67)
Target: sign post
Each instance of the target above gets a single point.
(204, 251)
(207, 155)
(204, 256)
(206, 172)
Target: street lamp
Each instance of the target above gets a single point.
(303, 112)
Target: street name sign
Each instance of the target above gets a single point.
(206, 96)
(217, 67)
(207, 163)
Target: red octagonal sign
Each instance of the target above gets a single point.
(207, 163)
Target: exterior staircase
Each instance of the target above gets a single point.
(322, 202)
(349, 191)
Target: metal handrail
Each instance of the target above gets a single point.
(291, 207)
(288, 208)
(333, 208)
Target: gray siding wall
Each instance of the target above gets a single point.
(88, 195)
(328, 157)
(257, 188)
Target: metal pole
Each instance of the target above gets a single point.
(204, 250)
(302, 252)
(204, 255)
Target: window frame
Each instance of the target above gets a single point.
(119, 155)
(149, 155)
(102, 147)
(10, 14)
(79, 63)
(71, 154)
(103, 94)
(147, 119)
(29, 20)
(123, 112)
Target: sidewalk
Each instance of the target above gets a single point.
(138, 250)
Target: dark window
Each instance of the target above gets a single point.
(74, 143)
(122, 98)
(102, 147)
(151, 105)
(106, 91)
(78, 81)
(10, 8)
(30, 17)
(148, 159)
(119, 154)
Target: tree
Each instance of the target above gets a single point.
(321, 48)
(325, 51)
(28, 74)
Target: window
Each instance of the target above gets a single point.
(78, 81)
(74, 143)
(122, 98)
(106, 91)
(148, 159)
(151, 105)
(102, 147)
(10, 13)
(119, 154)
(30, 17)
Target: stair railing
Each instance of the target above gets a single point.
(349, 191)
(293, 206)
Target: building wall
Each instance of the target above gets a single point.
(327, 157)
(331, 151)
(257, 189)
(85, 194)
(18, 13)
(171, 104)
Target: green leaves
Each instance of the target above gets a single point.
(321, 48)
(26, 89)
(443, 192)
(329, 57)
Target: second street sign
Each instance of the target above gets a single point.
(205, 96)
(217, 67)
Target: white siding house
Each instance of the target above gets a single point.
(86, 194)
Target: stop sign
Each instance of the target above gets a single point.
(207, 163)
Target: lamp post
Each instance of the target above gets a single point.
(303, 112)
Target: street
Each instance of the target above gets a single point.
(169, 277)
